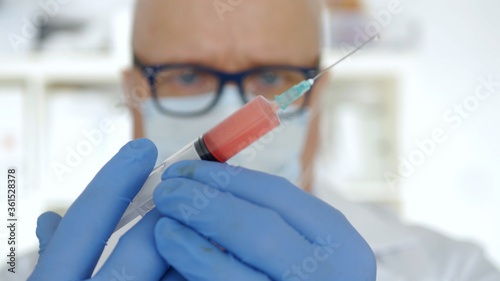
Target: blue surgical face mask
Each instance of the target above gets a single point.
(277, 153)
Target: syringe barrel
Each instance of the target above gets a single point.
(242, 128)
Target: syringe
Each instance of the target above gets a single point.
(225, 140)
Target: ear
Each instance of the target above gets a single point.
(129, 82)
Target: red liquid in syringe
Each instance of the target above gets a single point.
(242, 128)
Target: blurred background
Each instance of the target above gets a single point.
(403, 127)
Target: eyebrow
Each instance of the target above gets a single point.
(138, 63)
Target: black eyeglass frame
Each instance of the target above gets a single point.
(150, 72)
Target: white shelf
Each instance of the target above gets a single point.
(106, 69)
(50, 69)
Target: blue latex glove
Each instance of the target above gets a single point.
(271, 229)
(71, 246)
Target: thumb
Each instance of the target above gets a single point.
(46, 227)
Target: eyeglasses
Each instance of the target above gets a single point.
(171, 82)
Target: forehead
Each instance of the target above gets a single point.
(227, 34)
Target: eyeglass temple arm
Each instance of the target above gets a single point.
(136, 61)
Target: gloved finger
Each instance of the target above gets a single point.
(87, 225)
(46, 226)
(48, 222)
(309, 215)
(173, 275)
(135, 256)
(196, 258)
(258, 236)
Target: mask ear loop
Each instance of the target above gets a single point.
(317, 109)
(314, 108)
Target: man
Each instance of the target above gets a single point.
(195, 64)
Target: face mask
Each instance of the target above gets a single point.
(277, 153)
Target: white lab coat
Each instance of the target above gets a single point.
(404, 253)
(408, 253)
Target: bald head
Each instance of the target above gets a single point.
(231, 38)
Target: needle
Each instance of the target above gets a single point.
(374, 37)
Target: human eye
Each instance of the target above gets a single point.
(269, 79)
(189, 78)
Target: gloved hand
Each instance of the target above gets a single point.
(269, 228)
(70, 247)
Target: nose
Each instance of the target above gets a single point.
(231, 88)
